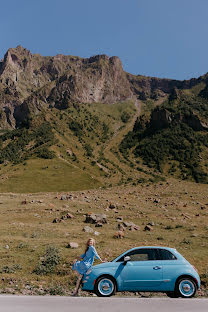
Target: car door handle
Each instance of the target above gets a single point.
(157, 267)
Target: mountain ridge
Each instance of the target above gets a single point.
(54, 81)
(95, 117)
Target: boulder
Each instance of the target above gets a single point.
(119, 234)
(134, 227)
(112, 206)
(119, 219)
(121, 227)
(96, 233)
(128, 224)
(94, 218)
(88, 229)
(72, 245)
(148, 228)
(56, 220)
(98, 224)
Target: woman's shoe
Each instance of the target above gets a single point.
(75, 294)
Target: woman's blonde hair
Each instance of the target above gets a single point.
(87, 244)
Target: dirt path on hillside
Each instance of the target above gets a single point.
(118, 135)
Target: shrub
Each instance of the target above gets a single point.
(11, 269)
(88, 149)
(48, 262)
(45, 153)
(56, 290)
(125, 117)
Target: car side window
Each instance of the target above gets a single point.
(166, 255)
(144, 254)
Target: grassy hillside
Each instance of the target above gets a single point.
(176, 210)
(64, 150)
(173, 138)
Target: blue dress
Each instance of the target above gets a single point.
(86, 263)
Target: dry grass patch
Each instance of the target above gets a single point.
(176, 211)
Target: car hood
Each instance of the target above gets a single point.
(103, 265)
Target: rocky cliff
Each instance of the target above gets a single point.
(30, 83)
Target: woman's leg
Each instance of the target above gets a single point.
(79, 279)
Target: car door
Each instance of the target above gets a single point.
(143, 271)
(171, 268)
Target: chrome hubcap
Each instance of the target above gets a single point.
(187, 288)
(105, 287)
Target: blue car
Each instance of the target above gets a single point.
(152, 269)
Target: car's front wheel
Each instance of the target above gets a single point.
(186, 287)
(105, 286)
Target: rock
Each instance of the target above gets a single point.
(185, 216)
(194, 235)
(134, 228)
(67, 216)
(151, 223)
(63, 197)
(119, 219)
(121, 227)
(98, 224)
(96, 218)
(96, 233)
(72, 245)
(88, 229)
(7, 247)
(56, 220)
(128, 224)
(156, 201)
(119, 234)
(148, 228)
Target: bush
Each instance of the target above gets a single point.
(56, 290)
(11, 269)
(88, 149)
(125, 117)
(48, 262)
(45, 153)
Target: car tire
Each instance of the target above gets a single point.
(105, 286)
(185, 287)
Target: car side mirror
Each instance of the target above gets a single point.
(126, 259)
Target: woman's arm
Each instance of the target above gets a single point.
(96, 254)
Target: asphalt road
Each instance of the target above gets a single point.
(66, 304)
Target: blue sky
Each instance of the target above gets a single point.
(160, 38)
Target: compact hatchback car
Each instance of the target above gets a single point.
(152, 269)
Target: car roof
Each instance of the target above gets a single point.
(160, 247)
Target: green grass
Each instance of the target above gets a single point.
(44, 175)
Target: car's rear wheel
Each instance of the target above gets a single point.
(186, 287)
(105, 286)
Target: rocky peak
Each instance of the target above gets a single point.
(29, 82)
(97, 58)
(162, 118)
